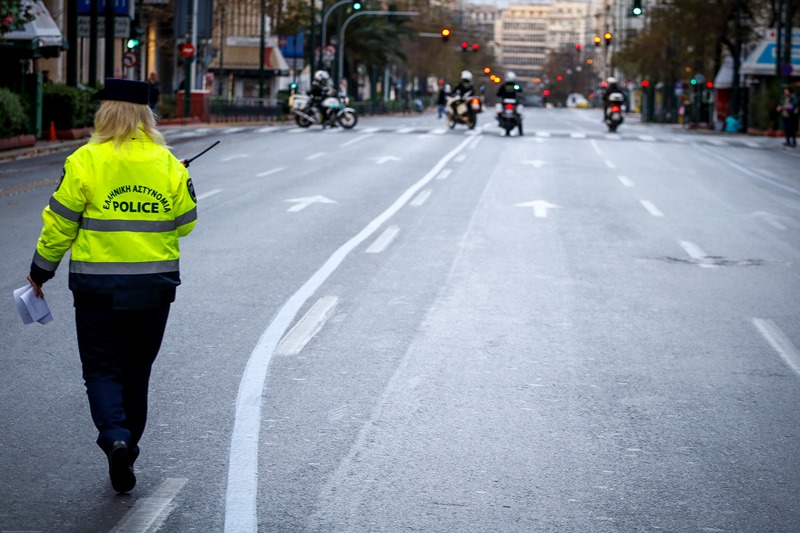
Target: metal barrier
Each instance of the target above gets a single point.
(240, 109)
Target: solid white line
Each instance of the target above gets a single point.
(421, 198)
(207, 194)
(596, 147)
(308, 326)
(232, 130)
(147, 511)
(651, 208)
(241, 505)
(235, 156)
(383, 242)
(444, 174)
(779, 342)
(696, 253)
(314, 156)
(268, 172)
(625, 181)
(609, 164)
(357, 139)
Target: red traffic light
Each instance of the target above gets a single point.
(560, 78)
(604, 84)
(546, 92)
(578, 47)
(710, 84)
(645, 83)
(464, 46)
(475, 47)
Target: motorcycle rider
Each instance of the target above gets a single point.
(613, 88)
(511, 89)
(463, 90)
(319, 91)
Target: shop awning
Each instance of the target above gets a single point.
(247, 58)
(724, 78)
(762, 61)
(39, 38)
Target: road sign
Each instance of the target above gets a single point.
(786, 69)
(122, 27)
(121, 7)
(129, 59)
(187, 50)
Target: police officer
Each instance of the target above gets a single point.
(319, 91)
(511, 89)
(612, 88)
(463, 90)
(121, 205)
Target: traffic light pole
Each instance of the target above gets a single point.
(325, 24)
(340, 71)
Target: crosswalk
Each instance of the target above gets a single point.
(488, 129)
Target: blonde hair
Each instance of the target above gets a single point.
(120, 121)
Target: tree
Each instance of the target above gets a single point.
(13, 15)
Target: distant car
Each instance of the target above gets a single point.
(576, 100)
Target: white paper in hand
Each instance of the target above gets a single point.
(31, 308)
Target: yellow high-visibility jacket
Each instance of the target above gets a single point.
(121, 212)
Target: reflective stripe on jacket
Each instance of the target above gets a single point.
(120, 212)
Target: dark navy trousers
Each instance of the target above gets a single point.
(117, 350)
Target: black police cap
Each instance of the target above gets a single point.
(135, 92)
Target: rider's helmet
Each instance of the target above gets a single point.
(612, 80)
(466, 75)
(510, 76)
(321, 76)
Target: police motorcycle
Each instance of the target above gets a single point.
(614, 111)
(336, 108)
(509, 115)
(466, 107)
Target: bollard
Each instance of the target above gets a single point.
(52, 131)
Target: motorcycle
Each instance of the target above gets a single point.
(614, 111)
(466, 111)
(336, 106)
(509, 115)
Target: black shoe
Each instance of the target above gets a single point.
(120, 468)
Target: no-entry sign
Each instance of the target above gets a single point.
(187, 50)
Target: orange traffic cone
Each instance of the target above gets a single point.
(52, 131)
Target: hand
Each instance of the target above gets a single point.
(37, 289)
(185, 163)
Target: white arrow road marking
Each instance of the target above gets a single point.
(235, 156)
(696, 253)
(651, 208)
(383, 159)
(771, 219)
(540, 207)
(207, 194)
(314, 156)
(268, 172)
(302, 203)
(625, 181)
(150, 513)
(537, 163)
(308, 326)
(779, 342)
(383, 242)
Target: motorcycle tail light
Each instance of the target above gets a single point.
(509, 106)
(615, 109)
(476, 101)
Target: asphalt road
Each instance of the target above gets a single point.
(407, 328)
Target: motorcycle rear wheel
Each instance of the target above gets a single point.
(303, 122)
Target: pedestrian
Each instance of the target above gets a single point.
(790, 112)
(121, 205)
(155, 92)
(441, 100)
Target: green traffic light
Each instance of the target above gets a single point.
(516, 87)
(357, 5)
(694, 81)
(637, 11)
(132, 43)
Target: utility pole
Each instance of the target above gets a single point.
(787, 40)
(93, 43)
(72, 51)
(110, 39)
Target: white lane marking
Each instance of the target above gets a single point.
(267, 129)
(444, 174)
(383, 242)
(241, 505)
(626, 181)
(232, 130)
(405, 130)
(609, 164)
(150, 513)
(383, 159)
(596, 147)
(696, 253)
(577, 135)
(537, 163)
(371, 130)
(717, 142)
(314, 156)
(647, 138)
(613, 136)
(207, 194)
(300, 130)
(475, 143)
(771, 219)
(752, 144)
(544, 134)
(651, 208)
(268, 172)
(540, 207)
(438, 131)
(421, 198)
(779, 342)
(747, 171)
(308, 326)
(302, 203)
(356, 140)
(460, 158)
(234, 156)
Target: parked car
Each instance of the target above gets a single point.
(576, 100)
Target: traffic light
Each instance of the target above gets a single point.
(710, 84)
(135, 38)
(487, 70)
(464, 46)
(645, 84)
(546, 92)
(693, 81)
(357, 5)
(578, 47)
(637, 10)
(607, 37)
(596, 41)
(445, 34)
(475, 47)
